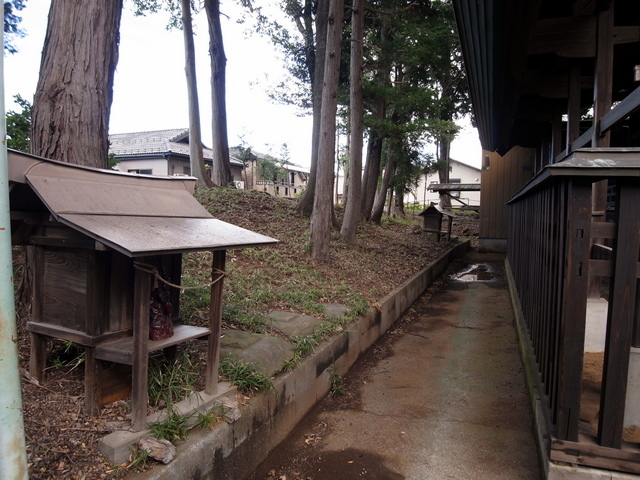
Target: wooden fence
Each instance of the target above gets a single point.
(557, 243)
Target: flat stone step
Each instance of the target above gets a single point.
(269, 353)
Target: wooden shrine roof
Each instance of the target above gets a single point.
(135, 214)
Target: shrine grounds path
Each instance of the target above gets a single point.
(441, 396)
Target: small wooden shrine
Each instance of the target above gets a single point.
(107, 256)
(432, 218)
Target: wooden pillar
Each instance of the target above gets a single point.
(573, 107)
(602, 101)
(620, 316)
(574, 308)
(556, 132)
(215, 321)
(92, 382)
(140, 370)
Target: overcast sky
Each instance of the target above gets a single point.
(150, 87)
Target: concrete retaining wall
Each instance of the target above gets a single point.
(233, 451)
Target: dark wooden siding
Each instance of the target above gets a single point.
(500, 181)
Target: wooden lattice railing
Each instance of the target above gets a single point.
(555, 247)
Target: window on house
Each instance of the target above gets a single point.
(186, 169)
(433, 182)
(455, 193)
(143, 171)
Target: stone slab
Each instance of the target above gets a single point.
(269, 353)
(293, 324)
(335, 310)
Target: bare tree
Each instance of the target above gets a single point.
(221, 168)
(72, 103)
(196, 154)
(321, 218)
(353, 211)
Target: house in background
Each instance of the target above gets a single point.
(166, 153)
(161, 152)
(265, 173)
(459, 173)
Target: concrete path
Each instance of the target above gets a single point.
(442, 396)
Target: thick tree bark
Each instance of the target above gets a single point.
(371, 170)
(221, 168)
(381, 194)
(72, 103)
(321, 219)
(443, 173)
(196, 154)
(353, 211)
(305, 204)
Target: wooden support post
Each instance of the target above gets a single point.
(215, 321)
(602, 101)
(92, 382)
(139, 394)
(620, 316)
(574, 308)
(573, 107)
(38, 357)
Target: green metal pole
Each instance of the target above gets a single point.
(13, 459)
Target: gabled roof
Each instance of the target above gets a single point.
(136, 215)
(161, 142)
(466, 165)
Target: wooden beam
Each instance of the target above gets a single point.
(575, 37)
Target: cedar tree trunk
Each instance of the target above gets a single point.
(353, 210)
(72, 103)
(321, 218)
(221, 168)
(305, 204)
(196, 155)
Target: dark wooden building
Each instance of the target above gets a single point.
(555, 86)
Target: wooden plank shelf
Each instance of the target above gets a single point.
(121, 350)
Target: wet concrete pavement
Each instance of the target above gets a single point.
(441, 396)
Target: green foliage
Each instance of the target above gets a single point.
(271, 169)
(139, 459)
(209, 418)
(11, 23)
(246, 376)
(19, 125)
(174, 427)
(337, 386)
(170, 380)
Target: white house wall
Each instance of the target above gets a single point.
(459, 171)
(158, 166)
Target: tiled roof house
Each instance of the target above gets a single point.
(160, 152)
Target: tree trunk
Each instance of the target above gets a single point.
(72, 103)
(353, 211)
(322, 204)
(371, 170)
(305, 204)
(381, 195)
(196, 155)
(221, 168)
(443, 174)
